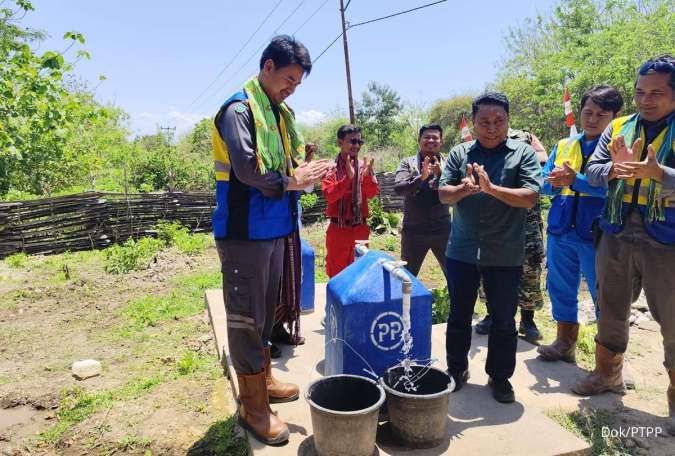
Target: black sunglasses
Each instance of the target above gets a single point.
(658, 66)
(355, 141)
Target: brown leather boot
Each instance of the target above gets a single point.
(606, 376)
(564, 346)
(671, 403)
(276, 390)
(254, 412)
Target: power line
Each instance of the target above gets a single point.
(294, 32)
(351, 26)
(254, 54)
(310, 17)
(235, 56)
(397, 14)
(327, 47)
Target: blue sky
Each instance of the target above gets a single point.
(158, 56)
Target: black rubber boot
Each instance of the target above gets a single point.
(527, 328)
(502, 390)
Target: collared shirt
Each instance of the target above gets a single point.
(423, 212)
(486, 231)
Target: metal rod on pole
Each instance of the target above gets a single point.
(352, 118)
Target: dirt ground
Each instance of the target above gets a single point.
(148, 400)
(161, 390)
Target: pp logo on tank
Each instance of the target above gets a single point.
(386, 331)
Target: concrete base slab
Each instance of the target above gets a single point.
(478, 425)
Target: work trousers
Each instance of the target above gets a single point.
(620, 265)
(340, 245)
(415, 245)
(501, 289)
(568, 258)
(251, 280)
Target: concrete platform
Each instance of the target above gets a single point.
(478, 425)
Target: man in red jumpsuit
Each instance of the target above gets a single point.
(347, 190)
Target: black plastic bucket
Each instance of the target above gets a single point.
(344, 410)
(418, 418)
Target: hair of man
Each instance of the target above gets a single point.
(607, 97)
(348, 129)
(490, 98)
(285, 50)
(664, 64)
(432, 127)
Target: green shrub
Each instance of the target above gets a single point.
(390, 243)
(379, 220)
(392, 218)
(17, 260)
(440, 305)
(545, 203)
(175, 234)
(308, 200)
(168, 231)
(586, 342)
(190, 244)
(192, 362)
(132, 255)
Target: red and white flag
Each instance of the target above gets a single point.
(464, 130)
(569, 114)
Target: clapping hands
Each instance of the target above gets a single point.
(562, 177)
(470, 184)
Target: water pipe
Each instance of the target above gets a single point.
(361, 247)
(395, 268)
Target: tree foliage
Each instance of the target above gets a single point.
(582, 44)
(56, 138)
(38, 115)
(378, 114)
(159, 164)
(448, 113)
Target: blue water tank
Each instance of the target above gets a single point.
(307, 280)
(364, 325)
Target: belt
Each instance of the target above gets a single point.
(347, 222)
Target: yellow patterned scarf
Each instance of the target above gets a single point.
(275, 149)
(631, 130)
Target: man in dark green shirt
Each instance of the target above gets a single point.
(491, 182)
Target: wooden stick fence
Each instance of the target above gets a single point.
(96, 220)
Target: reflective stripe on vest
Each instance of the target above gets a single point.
(221, 155)
(569, 150)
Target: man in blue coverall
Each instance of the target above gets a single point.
(570, 250)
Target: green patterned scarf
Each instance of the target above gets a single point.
(274, 152)
(631, 130)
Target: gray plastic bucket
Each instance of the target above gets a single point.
(418, 418)
(344, 410)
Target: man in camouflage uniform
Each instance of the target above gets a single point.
(530, 297)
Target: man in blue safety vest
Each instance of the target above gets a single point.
(635, 160)
(257, 148)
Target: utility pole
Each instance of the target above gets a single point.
(352, 118)
(169, 132)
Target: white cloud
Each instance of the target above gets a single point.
(311, 117)
(145, 123)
